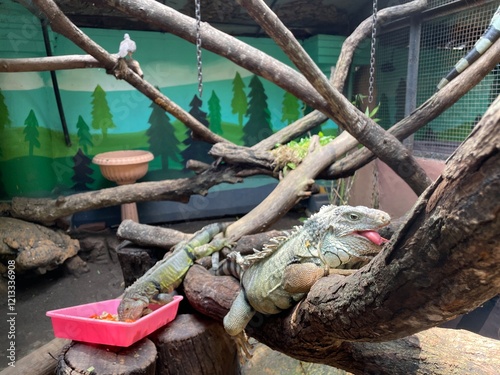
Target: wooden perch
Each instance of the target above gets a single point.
(48, 210)
(364, 129)
(443, 262)
(428, 111)
(148, 235)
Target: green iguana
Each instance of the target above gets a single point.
(489, 37)
(272, 280)
(167, 274)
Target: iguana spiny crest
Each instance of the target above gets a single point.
(273, 279)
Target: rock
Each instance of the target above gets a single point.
(33, 246)
(76, 266)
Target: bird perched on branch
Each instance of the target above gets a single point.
(127, 47)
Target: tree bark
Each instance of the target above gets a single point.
(148, 235)
(443, 262)
(195, 345)
(434, 351)
(61, 24)
(48, 210)
(80, 358)
(365, 130)
(428, 111)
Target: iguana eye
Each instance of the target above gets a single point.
(353, 216)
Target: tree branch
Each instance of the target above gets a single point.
(443, 262)
(39, 64)
(62, 25)
(432, 108)
(46, 211)
(365, 130)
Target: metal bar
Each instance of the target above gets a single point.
(57, 93)
(412, 71)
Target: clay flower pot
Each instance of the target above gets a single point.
(124, 167)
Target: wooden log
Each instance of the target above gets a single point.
(195, 345)
(80, 358)
(135, 261)
(42, 361)
(148, 235)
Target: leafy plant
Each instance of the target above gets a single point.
(358, 102)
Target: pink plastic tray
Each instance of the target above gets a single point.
(74, 323)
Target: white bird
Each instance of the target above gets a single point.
(127, 47)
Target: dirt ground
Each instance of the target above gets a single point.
(37, 294)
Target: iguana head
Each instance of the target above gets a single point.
(132, 308)
(347, 235)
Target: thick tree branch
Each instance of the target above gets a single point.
(432, 108)
(365, 130)
(434, 351)
(61, 24)
(443, 262)
(40, 64)
(364, 30)
(49, 210)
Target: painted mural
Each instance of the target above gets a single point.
(105, 114)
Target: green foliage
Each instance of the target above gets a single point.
(358, 103)
(102, 119)
(289, 156)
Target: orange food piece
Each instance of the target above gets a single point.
(111, 317)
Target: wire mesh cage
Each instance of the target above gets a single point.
(444, 39)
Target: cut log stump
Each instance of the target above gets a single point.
(79, 358)
(195, 345)
(136, 260)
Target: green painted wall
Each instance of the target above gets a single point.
(105, 114)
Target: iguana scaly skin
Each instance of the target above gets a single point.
(489, 37)
(337, 237)
(167, 274)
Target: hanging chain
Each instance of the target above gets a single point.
(372, 53)
(197, 4)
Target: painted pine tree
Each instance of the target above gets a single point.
(84, 136)
(102, 119)
(161, 136)
(31, 132)
(305, 111)
(196, 150)
(82, 171)
(214, 113)
(290, 108)
(4, 117)
(239, 104)
(258, 126)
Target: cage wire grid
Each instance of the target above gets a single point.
(443, 41)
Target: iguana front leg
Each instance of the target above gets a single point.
(237, 319)
(300, 277)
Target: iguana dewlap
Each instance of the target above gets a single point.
(337, 237)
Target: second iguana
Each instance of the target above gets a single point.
(272, 280)
(167, 274)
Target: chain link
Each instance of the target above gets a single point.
(372, 53)
(197, 9)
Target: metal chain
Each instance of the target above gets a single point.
(197, 8)
(372, 53)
